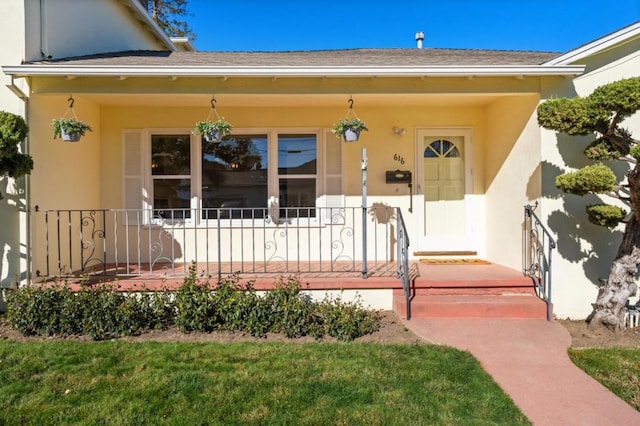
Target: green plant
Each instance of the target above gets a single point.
(13, 130)
(354, 124)
(601, 115)
(100, 311)
(69, 126)
(129, 382)
(195, 304)
(346, 321)
(293, 312)
(103, 312)
(222, 127)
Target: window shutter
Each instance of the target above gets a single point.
(333, 188)
(132, 168)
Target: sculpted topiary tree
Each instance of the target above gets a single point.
(601, 114)
(13, 130)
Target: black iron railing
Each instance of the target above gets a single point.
(403, 260)
(116, 242)
(537, 247)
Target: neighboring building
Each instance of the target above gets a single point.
(463, 122)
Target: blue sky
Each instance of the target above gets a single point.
(268, 25)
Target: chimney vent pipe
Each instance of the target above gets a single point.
(419, 39)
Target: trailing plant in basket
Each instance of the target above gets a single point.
(207, 127)
(70, 126)
(354, 124)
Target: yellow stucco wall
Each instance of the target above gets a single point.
(88, 174)
(512, 178)
(383, 147)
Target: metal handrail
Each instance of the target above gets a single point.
(402, 241)
(537, 248)
(134, 242)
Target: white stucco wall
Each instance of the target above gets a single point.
(511, 175)
(12, 217)
(35, 30)
(67, 28)
(585, 251)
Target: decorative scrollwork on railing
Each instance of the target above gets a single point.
(537, 252)
(158, 247)
(90, 236)
(276, 258)
(341, 244)
(338, 215)
(536, 255)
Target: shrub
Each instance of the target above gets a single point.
(102, 312)
(195, 310)
(35, 310)
(292, 312)
(347, 320)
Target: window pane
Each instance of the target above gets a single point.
(299, 195)
(297, 154)
(170, 155)
(234, 176)
(169, 194)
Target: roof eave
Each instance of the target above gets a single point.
(143, 16)
(597, 45)
(249, 71)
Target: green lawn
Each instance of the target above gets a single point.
(616, 368)
(116, 382)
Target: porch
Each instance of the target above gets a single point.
(362, 250)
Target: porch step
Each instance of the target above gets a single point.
(471, 306)
(474, 291)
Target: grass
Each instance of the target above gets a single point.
(115, 382)
(618, 369)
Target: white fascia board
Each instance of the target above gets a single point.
(143, 15)
(203, 71)
(597, 46)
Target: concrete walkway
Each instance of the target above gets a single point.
(528, 359)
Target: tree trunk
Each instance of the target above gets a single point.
(608, 311)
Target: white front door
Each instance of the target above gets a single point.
(444, 186)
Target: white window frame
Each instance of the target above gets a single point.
(273, 177)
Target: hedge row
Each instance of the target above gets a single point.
(102, 312)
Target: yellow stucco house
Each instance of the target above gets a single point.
(452, 156)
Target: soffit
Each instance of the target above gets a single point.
(331, 100)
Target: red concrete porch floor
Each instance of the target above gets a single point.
(528, 359)
(381, 275)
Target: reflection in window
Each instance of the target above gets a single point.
(171, 175)
(297, 168)
(441, 148)
(234, 176)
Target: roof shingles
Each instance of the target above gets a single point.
(313, 58)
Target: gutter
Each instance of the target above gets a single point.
(624, 35)
(284, 71)
(17, 91)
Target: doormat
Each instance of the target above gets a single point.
(455, 262)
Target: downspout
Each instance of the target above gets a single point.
(27, 181)
(43, 38)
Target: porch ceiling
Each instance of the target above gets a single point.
(267, 100)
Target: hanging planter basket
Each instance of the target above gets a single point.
(214, 128)
(349, 128)
(70, 137)
(69, 128)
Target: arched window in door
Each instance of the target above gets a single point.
(441, 148)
